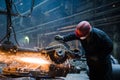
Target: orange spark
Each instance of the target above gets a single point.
(34, 60)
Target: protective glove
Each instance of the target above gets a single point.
(59, 38)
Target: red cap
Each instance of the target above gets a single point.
(83, 29)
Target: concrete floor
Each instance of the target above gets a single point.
(81, 76)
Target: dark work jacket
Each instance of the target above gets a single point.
(98, 43)
(98, 47)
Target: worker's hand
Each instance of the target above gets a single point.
(59, 38)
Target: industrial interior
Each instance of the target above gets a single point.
(28, 50)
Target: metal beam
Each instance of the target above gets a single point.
(5, 13)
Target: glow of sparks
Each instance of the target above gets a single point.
(34, 60)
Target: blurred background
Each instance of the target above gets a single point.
(34, 23)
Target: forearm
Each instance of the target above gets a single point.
(70, 37)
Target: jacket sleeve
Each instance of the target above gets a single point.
(70, 37)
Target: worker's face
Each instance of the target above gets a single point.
(82, 38)
(81, 34)
(86, 36)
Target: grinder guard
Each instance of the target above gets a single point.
(61, 52)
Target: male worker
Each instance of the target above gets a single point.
(97, 46)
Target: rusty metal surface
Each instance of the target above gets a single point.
(24, 64)
(29, 64)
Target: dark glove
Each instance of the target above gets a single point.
(59, 38)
